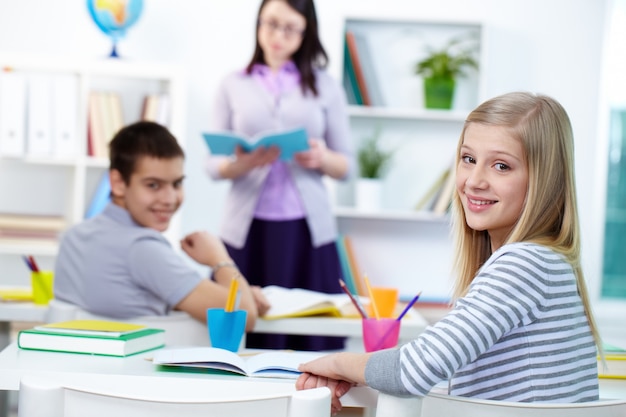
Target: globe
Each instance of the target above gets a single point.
(114, 17)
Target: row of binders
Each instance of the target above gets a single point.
(39, 115)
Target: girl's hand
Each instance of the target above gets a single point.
(315, 157)
(246, 161)
(337, 388)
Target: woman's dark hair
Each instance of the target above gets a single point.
(141, 139)
(311, 53)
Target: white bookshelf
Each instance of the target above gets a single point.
(398, 245)
(63, 185)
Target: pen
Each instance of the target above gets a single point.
(354, 300)
(232, 294)
(33, 264)
(371, 295)
(408, 306)
(27, 262)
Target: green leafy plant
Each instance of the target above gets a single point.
(372, 159)
(451, 60)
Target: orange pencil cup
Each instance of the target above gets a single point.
(380, 334)
(42, 284)
(386, 299)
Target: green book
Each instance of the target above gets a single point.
(75, 342)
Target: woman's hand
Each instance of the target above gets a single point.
(337, 388)
(262, 303)
(244, 162)
(315, 157)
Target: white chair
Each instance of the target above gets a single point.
(165, 397)
(180, 328)
(437, 405)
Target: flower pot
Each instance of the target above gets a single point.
(368, 194)
(438, 93)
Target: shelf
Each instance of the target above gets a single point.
(393, 215)
(14, 247)
(406, 114)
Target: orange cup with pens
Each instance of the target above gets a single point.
(227, 325)
(386, 299)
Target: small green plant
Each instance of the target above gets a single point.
(372, 159)
(450, 61)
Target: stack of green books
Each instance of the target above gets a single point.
(94, 337)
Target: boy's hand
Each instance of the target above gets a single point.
(262, 303)
(204, 248)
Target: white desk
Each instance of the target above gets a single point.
(74, 368)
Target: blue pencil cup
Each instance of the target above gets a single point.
(226, 329)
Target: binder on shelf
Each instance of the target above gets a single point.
(65, 114)
(39, 136)
(12, 113)
(357, 68)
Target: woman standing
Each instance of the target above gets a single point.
(278, 225)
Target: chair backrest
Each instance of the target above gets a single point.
(437, 405)
(109, 395)
(180, 328)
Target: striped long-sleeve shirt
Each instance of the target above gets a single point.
(520, 334)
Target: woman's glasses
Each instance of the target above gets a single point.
(273, 26)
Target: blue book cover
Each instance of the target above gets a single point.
(289, 142)
(101, 197)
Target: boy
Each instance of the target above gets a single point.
(118, 264)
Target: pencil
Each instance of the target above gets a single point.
(232, 295)
(354, 300)
(408, 306)
(371, 295)
(33, 263)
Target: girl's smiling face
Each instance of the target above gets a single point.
(492, 180)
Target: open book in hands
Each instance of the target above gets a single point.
(289, 142)
(272, 364)
(298, 302)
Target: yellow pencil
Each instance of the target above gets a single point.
(371, 295)
(232, 295)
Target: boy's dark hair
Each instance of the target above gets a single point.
(141, 139)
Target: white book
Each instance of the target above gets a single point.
(65, 115)
(12, 113)
(274, 364)
(39, 137)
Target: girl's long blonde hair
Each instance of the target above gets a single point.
(550, 214)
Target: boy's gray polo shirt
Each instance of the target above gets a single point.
(111, 266)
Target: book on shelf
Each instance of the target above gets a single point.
(156, 108)
(299, 302)
(344, 263)
(357, 68)
(614, 365)
(357, 277)
(368, 68)
(32, 222)
(447, 192)
(105, 119)
(101, 197)
(289, 142)
(275, 364)
(94, 337)
(429, 199)
(350, 85)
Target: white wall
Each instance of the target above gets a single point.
(548, 46)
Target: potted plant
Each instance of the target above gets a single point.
(441, 67)
(373, 162)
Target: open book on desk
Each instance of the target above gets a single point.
(298, 302)
(289, 142)
(271, 364)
